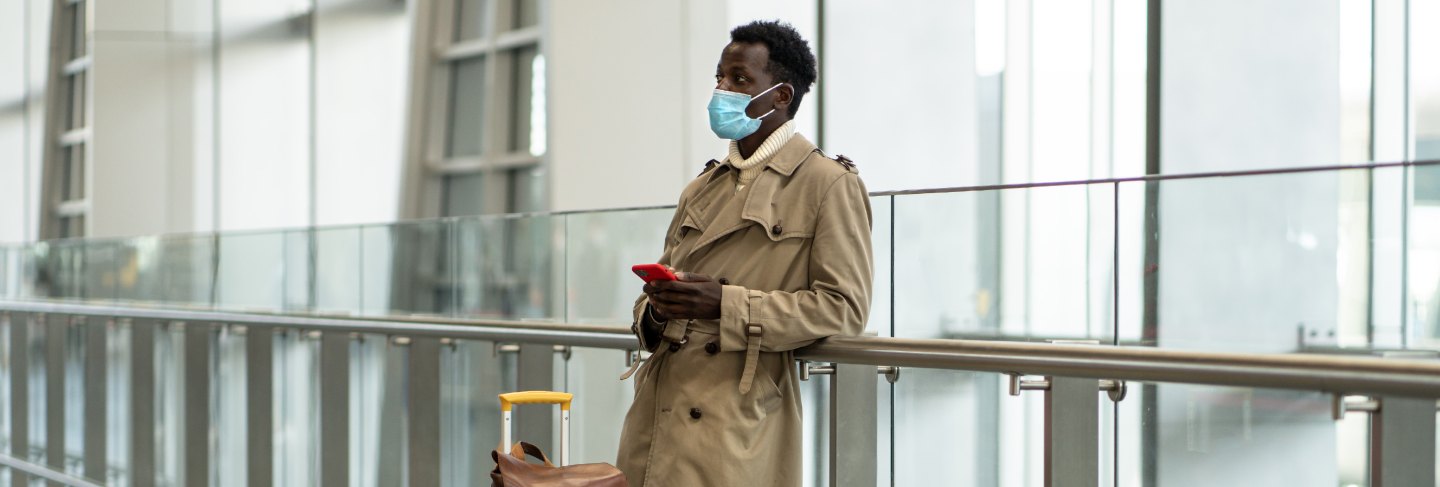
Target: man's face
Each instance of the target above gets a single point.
(742, 69)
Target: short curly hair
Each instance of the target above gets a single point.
(791, 60)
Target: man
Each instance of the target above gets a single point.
(772, 252)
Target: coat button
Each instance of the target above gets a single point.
(695, 413)
(712, 348)
(724, 282)
(775, 230)
(674, 346)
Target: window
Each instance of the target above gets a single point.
(489, 82)
(67, 155)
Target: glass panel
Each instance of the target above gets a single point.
(407, 268)
(1424, 80)
(63, 268)
(169, 404)
(527, 190)
(527, 13)
(599, 250)
(118, 419)
(74, 395)
(7, 375)
(467, 107)
(378, 436)
(251, 272)
(1052, 245)
(504, 267)
(167, 270)
(229, 407)
(471, 375)
(100, 276)
(472, 19)
(1424, 260)
(600, 403)
(964, 427)
(298, 291)
(468, 194)
(1250, 264)
(1267, 93)
(943, 66)
(75, 14)
(882, 233)
(1186, 435)
(338, 270)
(72, 226)
(75, 85)
(528, 102)
(296, 379)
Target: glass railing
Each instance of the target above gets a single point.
(1323, 260)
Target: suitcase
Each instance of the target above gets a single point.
(509, 399)
(512, 469)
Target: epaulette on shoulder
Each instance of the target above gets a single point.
(709, 165)
(844, 162)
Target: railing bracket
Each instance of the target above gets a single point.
(891, 372)
(807, 370)
(1341, 404)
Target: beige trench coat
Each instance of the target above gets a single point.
(718, 401)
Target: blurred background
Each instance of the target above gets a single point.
(461, 158)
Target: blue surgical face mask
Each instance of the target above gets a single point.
(727, 114)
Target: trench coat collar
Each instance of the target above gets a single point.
(717, 211)
(785, 161)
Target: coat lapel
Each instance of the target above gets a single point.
(720, 210)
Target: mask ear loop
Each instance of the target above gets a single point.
(767, 90)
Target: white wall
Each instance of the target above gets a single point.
(629, 81)
(24, 41)
(146, 117)
(157, 126)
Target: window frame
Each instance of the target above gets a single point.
(431, 130)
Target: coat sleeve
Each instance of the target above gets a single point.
(646, 330)
(838, 299)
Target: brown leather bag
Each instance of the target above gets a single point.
(513, 471)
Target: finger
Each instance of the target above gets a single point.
(692, 277)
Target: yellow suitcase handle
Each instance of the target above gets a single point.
(536, 397)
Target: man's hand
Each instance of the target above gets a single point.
(692, 296)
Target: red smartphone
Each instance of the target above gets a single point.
(653, 272)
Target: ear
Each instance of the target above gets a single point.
(784, 95)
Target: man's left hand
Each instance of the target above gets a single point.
(691, 296)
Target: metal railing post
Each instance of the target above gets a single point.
(1072, 433)
(197, 404)
(20, 392)
(1402, 442)
(55, 328)
(335, 408)
(536, 369)
(424, 412)
(259, 408)
(95, 397)
(142, 403)
(853, 429)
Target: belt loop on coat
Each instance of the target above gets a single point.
(754, 334)
(675, 330)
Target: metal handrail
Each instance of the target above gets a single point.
(45, 472)
(1325, 373)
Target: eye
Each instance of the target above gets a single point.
(718, 78)
(742, 79)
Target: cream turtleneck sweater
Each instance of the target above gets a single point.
(750, 168)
